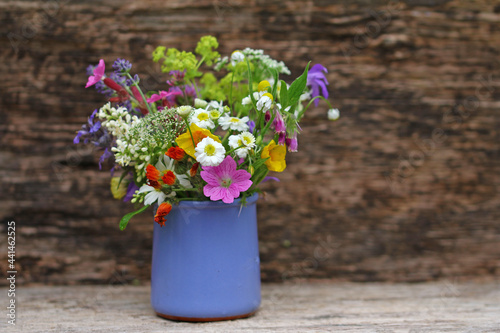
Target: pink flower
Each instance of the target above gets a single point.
(98, 74)
(224, 181)
(165, 97)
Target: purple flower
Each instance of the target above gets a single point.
(98, 73)
(122, 65)
(107, 154)
(292, 143)
(251, 126)
(132, 187)
(224, 181)
(279, 123)
(88, 130)
(135, 79)
(316, 79)
(177, 77)
(281, 138)
(268, 178)
(190, 91)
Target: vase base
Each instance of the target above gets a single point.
(192, 319)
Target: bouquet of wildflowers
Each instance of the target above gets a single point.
(212, 135)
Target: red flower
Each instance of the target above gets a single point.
(163, 210)
(194, 169)
(176, 153)
(169, 178)
(122, 93)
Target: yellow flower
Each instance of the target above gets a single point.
(276, 154)
(186, 142)
(263, 85)
(120, 190)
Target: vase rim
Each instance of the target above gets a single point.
(216, 204)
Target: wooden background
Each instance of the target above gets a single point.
(403, 188)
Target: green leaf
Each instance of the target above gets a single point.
(125, 172)
(276, 80)
(126, 218)
(283, 95)
(298, 86)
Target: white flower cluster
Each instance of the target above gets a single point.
(266, 60)
(251, 55)
(116, 120)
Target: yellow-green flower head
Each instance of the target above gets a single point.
(263, 85)
(214, 114)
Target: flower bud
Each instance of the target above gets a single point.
(199, 103)
(333, 114)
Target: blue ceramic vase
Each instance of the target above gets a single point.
(206, 262)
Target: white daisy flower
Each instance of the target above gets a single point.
(234, 123)
(215, 105)
(264, 103)
(209, 152)
(333, 114)
(248, 139)
(236, 141)
(155, 194)
(256, 95)
(201, 118)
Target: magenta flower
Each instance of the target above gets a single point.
(98, 74)
(163, 94)
(224, 181)
(316, 79)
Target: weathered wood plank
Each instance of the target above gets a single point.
(444, 306)
(403, 188)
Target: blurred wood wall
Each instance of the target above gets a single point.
(404, 187)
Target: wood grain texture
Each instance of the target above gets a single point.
(403, 188)
(444, 306)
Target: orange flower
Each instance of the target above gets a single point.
(152, 173)
(194, 169)
(176, 153)
(162, 211)
(169, 178)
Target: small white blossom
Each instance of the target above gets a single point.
(264, 103)
(184, 110)
(237, 57)
(333, 114)
(199, 103)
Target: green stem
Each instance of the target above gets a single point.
(190, 133)
(301, 114)
(231, 93)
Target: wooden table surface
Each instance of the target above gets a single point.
(444, 306)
